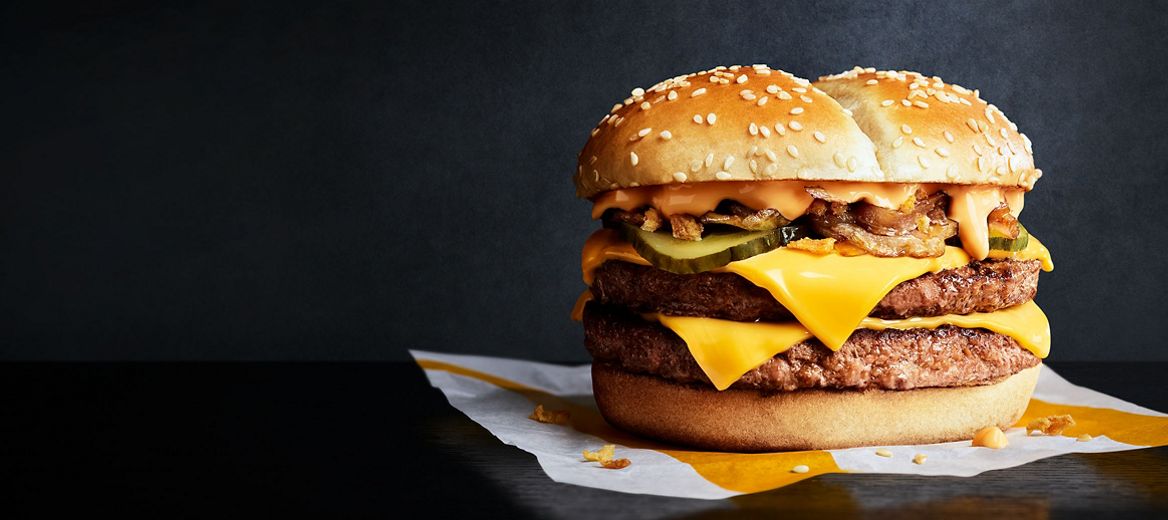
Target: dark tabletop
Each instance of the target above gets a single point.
(199, 439)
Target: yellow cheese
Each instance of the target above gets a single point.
(830, 294)
(728, 349)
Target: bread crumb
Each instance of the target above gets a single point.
(884, 453)
(802, 468)
(544, 415)
(1050, 425)
(990, 437)
(1084, 437)
(819, 246)
(919, 458)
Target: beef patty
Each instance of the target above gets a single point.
(890, 359)
(984, 286)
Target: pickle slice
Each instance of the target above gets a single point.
(1003, 243)
(714, 250)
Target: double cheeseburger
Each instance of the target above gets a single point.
(795, 265)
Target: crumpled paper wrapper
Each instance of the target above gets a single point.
(500, 394)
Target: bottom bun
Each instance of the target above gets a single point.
(745, 420)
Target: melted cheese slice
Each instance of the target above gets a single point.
(728, 349)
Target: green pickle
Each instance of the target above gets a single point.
(1003, 243)
(714, 250)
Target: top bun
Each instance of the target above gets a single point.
(758, 123)
(727, 123)
(926, 130)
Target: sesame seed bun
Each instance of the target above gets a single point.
(745, 420)
(757, 123)
(926, 130)
(729, 123)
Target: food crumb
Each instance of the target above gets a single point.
(802, 468)
(919, 458)
(544, 415)
(1084, 437)
(990, 437)
(820, 246)
(884, 453)
(604, 453)
(605, 457)
(1050, 425)
(615, 463)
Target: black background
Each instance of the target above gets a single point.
(346, 181)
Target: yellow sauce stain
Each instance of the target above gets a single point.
(1129, 428)
(740, 472)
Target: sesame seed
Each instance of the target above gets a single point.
(796, 111)
(886, 103)
(784, 96)
(666, 135)
(697, 118)
(919, 458)
(1027, 145)
(806, 98)
(920, 104)
(709, 159)
(839, 160)
(802, 468)
(646, 106)
(729, 160)
(906, 102)
(906, 129)
(592, 160)
(753, 166)
(848, 112)
(819, 136)
(982, 126)
(919, 142)
(852, 163)
(722, 176)
(637, 92)
(896, 143)
(971, 124)
(1015, 163)
(672, 95)
(792, 151)
(695, 166)
(1002, 132)
(615, 108)
(697, 92)
(633, 158)
(765, 130)
(595, 176)
(1002, 150)
(780, 129)
(753, 129)
(741, 79)
(977, 149)
(923, 160)
(644, 132)
(772, 89)
(981, 164)
(951, 171)
(802, 88)
(711, 118)
(884, 453)
(989, 113)
(713, 79)
(628, 101)
(770, 169)
(595, 131)
(942, 151)
(1001, 170)
(772, 155)
(871, 82)
(679, 176)
(753, 151)
(948, 136)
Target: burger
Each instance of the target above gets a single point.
(793, 265)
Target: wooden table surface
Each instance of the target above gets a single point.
(225, 440)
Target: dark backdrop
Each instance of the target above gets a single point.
(347, 181)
